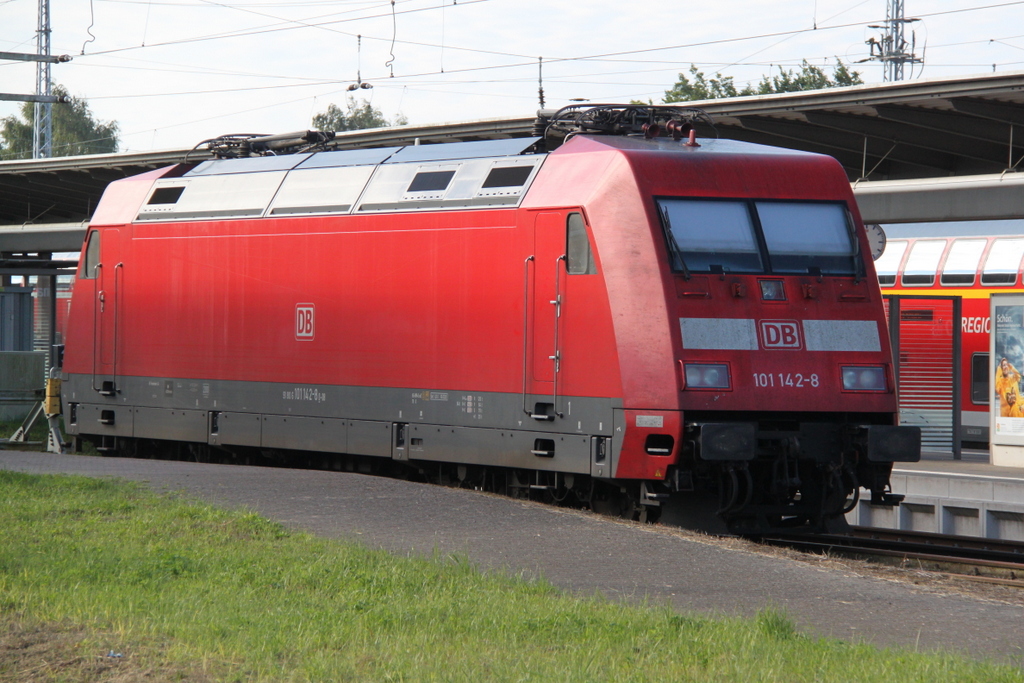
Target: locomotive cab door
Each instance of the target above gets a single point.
(103, 260)
(545, 298)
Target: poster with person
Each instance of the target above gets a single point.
(1007, 368)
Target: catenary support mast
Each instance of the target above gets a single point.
(42, 129)
(892, 48)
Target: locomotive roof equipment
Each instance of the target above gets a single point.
(554, 126)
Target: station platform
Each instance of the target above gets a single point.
(966, 497)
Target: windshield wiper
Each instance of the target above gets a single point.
(672, 241)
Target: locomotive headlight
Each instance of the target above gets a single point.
(772, 290)
(864, 378)
(706, 375)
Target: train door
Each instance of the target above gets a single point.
(925, 332)
(544, 312)
(108, 269)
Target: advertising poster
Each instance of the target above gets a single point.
(1006, 366)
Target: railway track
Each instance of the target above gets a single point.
(975, 559)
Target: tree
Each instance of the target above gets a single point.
(357, 115)
(810, 77)
(75, 131)
(703, 88)
(699, 87)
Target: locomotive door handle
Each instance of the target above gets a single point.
(526, 331)
(103, 300)
(118, 269)
(557, 356)
(557, 303)
(97, 309)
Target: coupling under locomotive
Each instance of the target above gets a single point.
(613, 311)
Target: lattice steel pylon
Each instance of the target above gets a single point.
(891, 47)
(42, 121)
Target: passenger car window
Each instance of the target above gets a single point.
(888, 263)
(1003, 262)
(923, 262)
(961, 266)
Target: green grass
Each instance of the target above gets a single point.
(188, 591)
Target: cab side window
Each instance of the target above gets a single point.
(577, 249)
(92, 256)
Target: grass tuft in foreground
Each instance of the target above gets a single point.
(106, 581)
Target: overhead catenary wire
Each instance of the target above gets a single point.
(489, 74)
(671, 66)
(303, 23)
(238, 5)
(529, 61)
(92, 22)
(814, 28)
(394, 34)
(145, 29)
(595, 57)
(275, 29)
(311, 82)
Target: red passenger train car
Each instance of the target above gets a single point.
(599, 314)
(973, 268)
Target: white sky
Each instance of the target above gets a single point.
(176, 72)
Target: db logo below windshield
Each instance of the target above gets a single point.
(780, 334)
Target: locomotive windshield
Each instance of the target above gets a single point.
(753, 236)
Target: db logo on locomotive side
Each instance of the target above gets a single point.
(305, 320)
(780, 334)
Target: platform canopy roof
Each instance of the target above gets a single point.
(905, 131)
(909, 129)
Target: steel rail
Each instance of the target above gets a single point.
(983, 560)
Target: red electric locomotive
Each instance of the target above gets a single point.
(638, 321)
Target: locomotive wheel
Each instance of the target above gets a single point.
(650, 514)
(518, 485)
(128, 448)
(198, 452)
(614, 502)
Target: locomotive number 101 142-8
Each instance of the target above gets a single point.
(793, 380)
